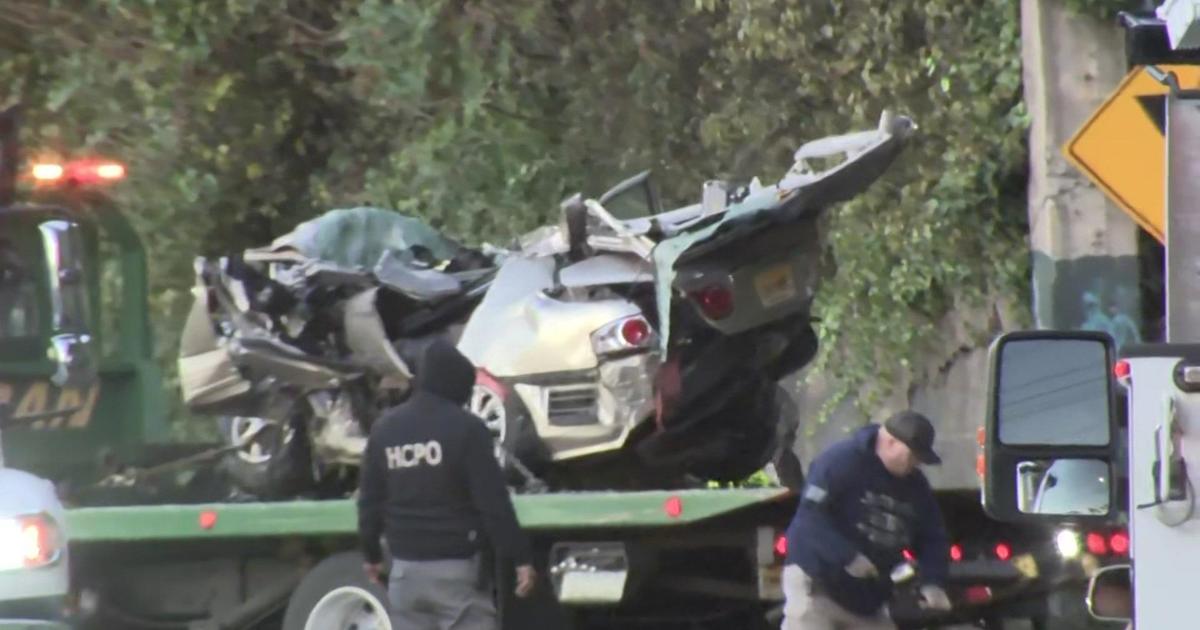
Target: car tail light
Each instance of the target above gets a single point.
(781, 545)
(1003, 551)
(1096, 545)
(956, 553)
(627, 333)
(1119, 543)
(908, 555)
(635, 331)
(28, 541)
(714, 300)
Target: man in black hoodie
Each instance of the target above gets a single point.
(431, 485)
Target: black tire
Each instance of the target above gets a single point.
(286, 473)
(337, 571)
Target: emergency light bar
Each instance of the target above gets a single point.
(79, 172)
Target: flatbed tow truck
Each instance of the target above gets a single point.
(155, 542)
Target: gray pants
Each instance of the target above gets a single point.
(440, 595)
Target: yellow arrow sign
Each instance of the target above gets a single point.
(1121, 147)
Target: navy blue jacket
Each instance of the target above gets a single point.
(851, 504)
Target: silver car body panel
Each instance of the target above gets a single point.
(519, 330)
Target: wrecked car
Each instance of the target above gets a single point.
(640, 347)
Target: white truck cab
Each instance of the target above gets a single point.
(34, 578)
(1057, 409)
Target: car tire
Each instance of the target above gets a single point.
(284, 467)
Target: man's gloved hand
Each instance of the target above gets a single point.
(860, 567)
(933, 597)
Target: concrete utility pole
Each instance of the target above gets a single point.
(1085, 265)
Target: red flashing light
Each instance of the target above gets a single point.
(673, 507)
(956, 553)
(208, 519)
(1121, 369)
(1096, 545)
(715, 300)
(635, 331)
(1003, 551)
(1119, 543)
(781, 545)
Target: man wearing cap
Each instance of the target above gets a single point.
(864, 502)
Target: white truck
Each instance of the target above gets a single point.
(1079, 435)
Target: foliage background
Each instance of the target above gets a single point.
(240, 118)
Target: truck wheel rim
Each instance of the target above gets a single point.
(257, 450)
(489, 407)
(348, 608)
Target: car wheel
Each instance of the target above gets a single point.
(275, 461)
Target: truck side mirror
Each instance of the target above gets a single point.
(70, 340)
(1050, 431)
(1110, 593)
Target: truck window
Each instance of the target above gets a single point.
(112, 293)
(19, 315)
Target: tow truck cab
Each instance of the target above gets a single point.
(48, 377)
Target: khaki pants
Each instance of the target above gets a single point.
(802, 610)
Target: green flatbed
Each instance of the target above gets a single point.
(556, 511)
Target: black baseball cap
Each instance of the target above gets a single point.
(916, 431)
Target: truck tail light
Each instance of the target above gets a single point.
(1096, 544)
(1119, 543)
(1121, 369)
(714, 300)
(29, 541)
(956, 553)
(1003, 551)
(627, 333)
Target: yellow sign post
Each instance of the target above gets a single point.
(1122, 150)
